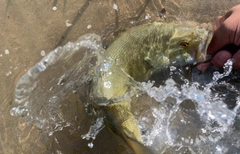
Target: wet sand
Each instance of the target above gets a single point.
(28, 27)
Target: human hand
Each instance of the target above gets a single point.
(226, 31)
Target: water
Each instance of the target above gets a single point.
(185, 116)
(93, 131)
(43, 105)
(26, 31)
(190, 116)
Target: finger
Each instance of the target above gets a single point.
(218, 22)
(236, 58)
(220, 37)
(203, 66)
(221, 58)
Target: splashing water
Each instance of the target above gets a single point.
(227, 70)
(182, 117)
(43, 93)
(190, 116)
(93, 131)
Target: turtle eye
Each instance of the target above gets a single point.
(184, 44)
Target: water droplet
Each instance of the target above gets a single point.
(8, 73)
(173, 68)
(147, 17)
(54, 8)
(115, 7)
(6, 51)
(90, 145)
(67, 23)
(89, 26)
(43, 53)
(50, 133)
(53, 99)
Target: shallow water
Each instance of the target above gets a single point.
(183, 115)
(29, 28)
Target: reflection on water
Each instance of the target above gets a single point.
(26, 32)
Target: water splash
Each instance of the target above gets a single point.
(227, 70)
(93, 131)
(186, 117)
(43, 93)
(176, 124)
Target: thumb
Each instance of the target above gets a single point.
(220, 36)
